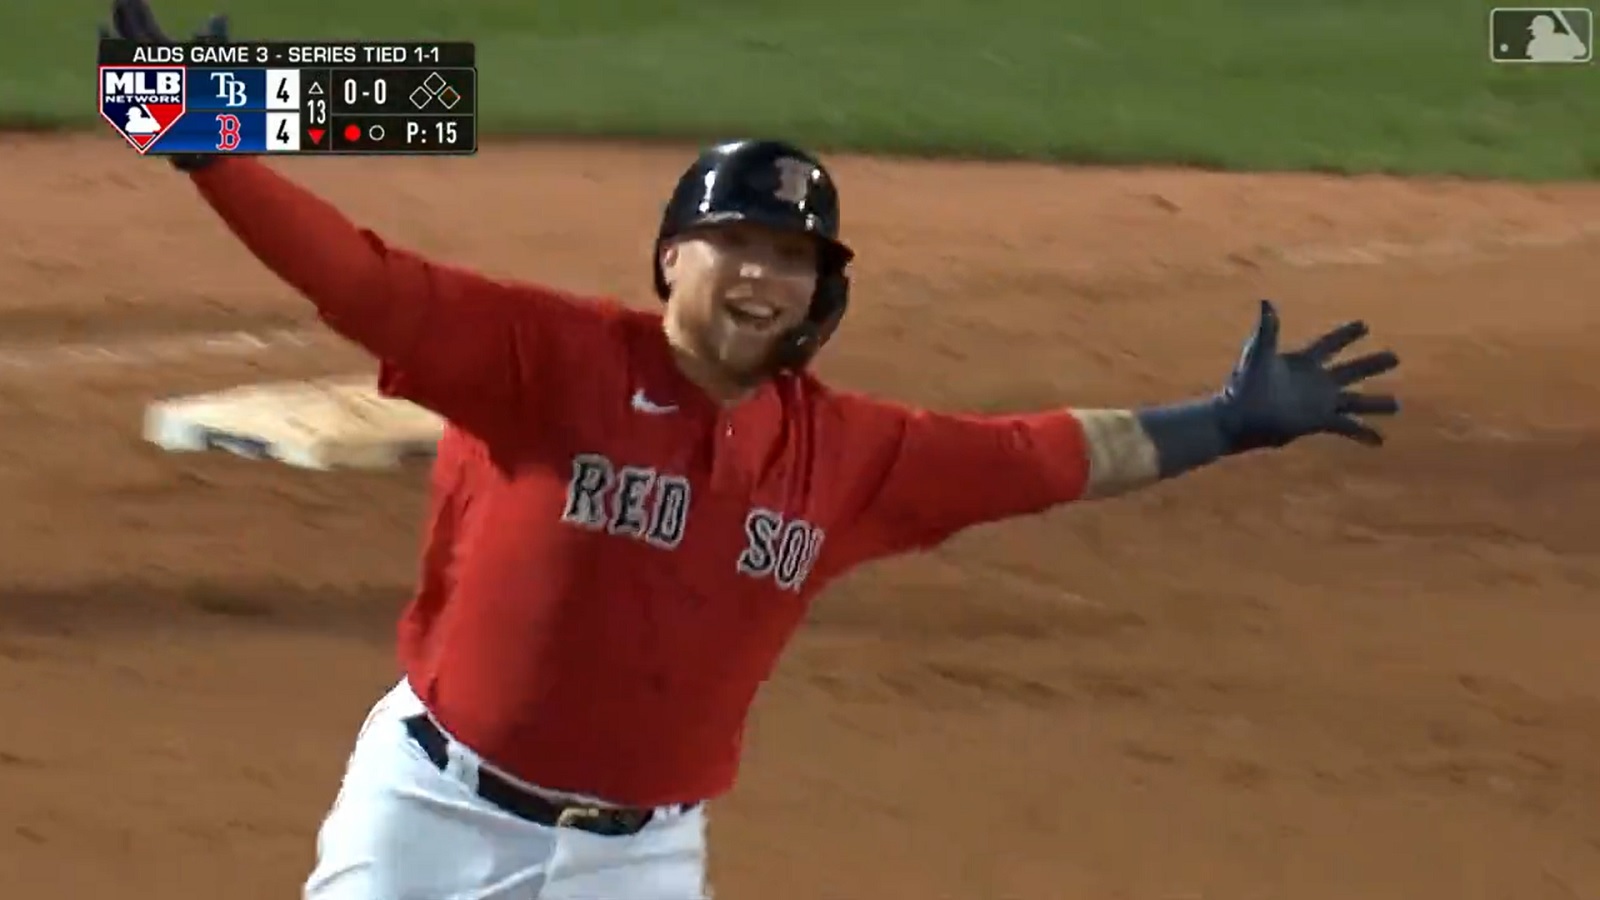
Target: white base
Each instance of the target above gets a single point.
(334, 423)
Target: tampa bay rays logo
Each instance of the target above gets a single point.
(143, 102)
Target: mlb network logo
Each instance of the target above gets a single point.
(143, 102)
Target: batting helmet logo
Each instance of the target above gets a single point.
(794, 180)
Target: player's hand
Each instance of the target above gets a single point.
(1273, 398)
(133, 20)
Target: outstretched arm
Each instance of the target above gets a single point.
(933, 475)
(450, 339)
(467, 346)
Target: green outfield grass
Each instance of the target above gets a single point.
(1344, 85)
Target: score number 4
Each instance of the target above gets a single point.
(444, 132)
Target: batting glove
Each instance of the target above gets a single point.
(133, 20)
(1274, 398)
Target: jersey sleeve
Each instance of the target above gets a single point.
(457, 342)
(921, 476)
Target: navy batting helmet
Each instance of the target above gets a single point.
(780, 186)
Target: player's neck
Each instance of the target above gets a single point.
(703, 373)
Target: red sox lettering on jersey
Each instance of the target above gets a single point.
(783, 550)
(627, 501)
(640, 503)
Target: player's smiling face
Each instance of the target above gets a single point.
(737, 288)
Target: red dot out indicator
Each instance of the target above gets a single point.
(352, 132)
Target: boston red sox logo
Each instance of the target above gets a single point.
(794, 180)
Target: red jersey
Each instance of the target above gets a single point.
(613, 562)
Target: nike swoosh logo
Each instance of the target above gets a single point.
(644, 404)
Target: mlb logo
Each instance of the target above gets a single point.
(143, 102)
(1541, 35)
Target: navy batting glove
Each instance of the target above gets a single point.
(1274, 398)
(133, 20)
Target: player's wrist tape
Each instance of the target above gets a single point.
(1186, 435)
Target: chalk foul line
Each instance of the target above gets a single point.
(153, 351)
(1373, 253)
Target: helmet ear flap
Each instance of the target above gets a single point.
(663, 289)
(828, 305)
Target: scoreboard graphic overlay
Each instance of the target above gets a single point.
(350, 98)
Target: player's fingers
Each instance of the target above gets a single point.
(1367, 404)
(1329, 345)
(121, 24)
(1267, 328)
(142, 17)
(1363, 367)
(124, 18)
(216, 28)
(1347, 427)
(1262, 345)
(139, 21)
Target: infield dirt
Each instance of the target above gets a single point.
(1330, 673)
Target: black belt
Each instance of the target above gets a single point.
(605, 821)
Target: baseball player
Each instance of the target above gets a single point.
(631, 511)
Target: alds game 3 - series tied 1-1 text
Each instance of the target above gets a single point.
(306, 98)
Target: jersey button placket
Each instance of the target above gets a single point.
(724, 463)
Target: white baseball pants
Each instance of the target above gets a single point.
(402, 829)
